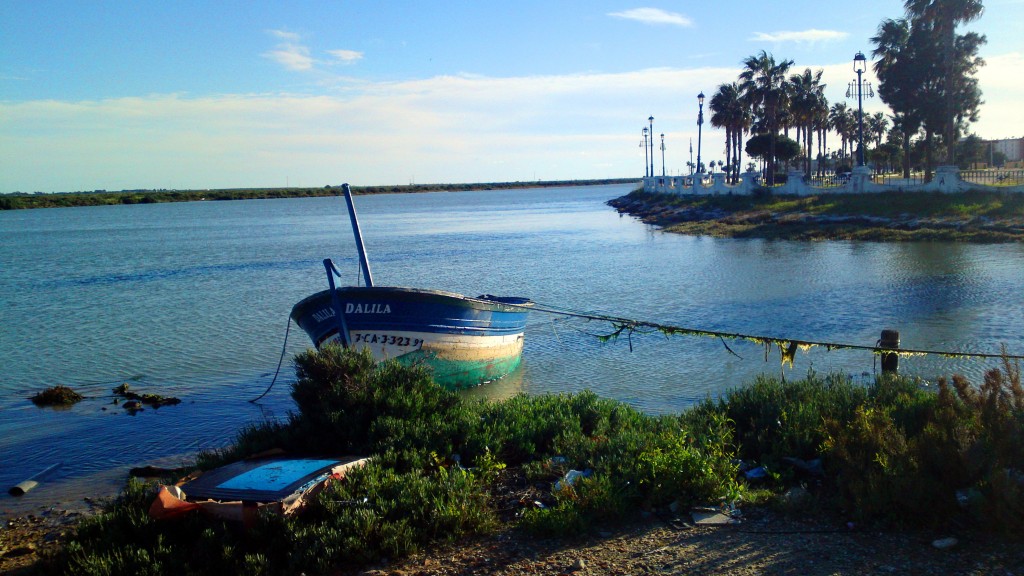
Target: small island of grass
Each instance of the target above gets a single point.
(893, 216)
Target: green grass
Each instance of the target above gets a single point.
(889, 204)
(445, 468)
(904, 216)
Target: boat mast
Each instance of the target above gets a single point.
(363, 262)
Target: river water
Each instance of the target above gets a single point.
(192, 299)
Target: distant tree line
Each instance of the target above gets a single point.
(20, 200)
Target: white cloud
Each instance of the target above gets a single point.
(346, 56)
(812, 35)
(654, 16)
(441, 129)
(291, 56)
(286, 36)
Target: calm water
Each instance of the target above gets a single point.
(192, 300)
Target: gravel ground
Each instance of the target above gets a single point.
(761, 540)
(23, 539)
(763, 543)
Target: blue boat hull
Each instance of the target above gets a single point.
(465, 341)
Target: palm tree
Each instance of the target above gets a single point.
(903, 79)
(909, 70)
(807, 93)
(851, 125)
(906, 127)
(727, 111)
(719, 106)
(744, 122)
(820, 125)
(838, 119)
(763, 82)
(878, 125)
(943, 16)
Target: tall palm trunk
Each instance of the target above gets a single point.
(728, 150)
(950, 97)
(928, 156)
(809, 136)
(906, 155)
(772, 129)
(824, 148)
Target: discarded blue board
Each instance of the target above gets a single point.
(271, 479)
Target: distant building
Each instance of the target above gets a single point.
(1011, 148)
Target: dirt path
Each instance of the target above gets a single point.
(764, 543)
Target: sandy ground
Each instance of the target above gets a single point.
(763, 543)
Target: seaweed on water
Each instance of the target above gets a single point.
(154, 400)
(57, 396)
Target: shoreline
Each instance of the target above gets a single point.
(801, 521)
(29, 201)
(804, 219)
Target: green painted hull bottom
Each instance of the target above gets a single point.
(461, 374)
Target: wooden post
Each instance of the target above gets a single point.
(890, 340)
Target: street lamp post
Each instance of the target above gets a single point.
(662, 155)
(646, 173)
(700, 124)
(651, 120)
(860, 65)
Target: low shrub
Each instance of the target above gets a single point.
(870, 465)
(774, 419)
(580, 506)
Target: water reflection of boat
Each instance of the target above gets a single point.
(465, 341)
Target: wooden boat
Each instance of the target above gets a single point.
(465, 341)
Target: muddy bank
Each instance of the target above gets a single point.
(804, 221)
(25, 539)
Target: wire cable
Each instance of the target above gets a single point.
(629, 326)
(280, 361)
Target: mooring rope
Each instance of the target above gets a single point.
(280, 361)
(787, 346)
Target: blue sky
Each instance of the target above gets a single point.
(122, 95)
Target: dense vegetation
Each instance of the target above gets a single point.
(104, 198)
(891, 453)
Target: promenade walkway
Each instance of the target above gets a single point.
(947, 179)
